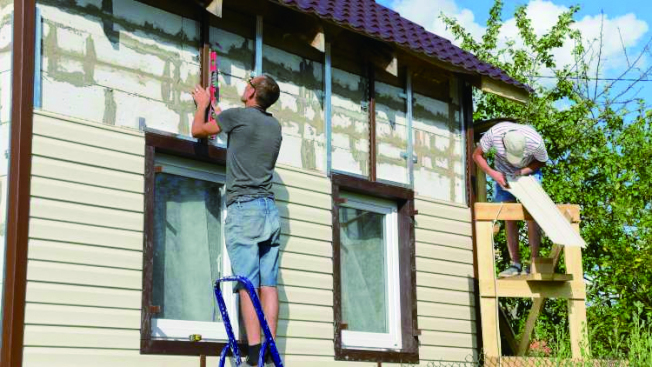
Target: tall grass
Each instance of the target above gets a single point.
(631, 347)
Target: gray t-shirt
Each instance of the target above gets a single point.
(252, 149)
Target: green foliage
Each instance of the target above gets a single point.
(600, 145)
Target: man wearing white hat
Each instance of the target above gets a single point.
(520, 151)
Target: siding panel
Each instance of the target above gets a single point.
(71, 357)
(85, 214)
(76, 357)
(88, 195)
(84, 272)
(446, 325)
(445, 296)
(301, 312)
(40, 292)
(46, 271)
(446, 302)
(93, 156)
(38, 314)
(83, 174)
(444, 267)
(85, 234)
(444, 239)
(102, 338)
(76, 131)
(87, 255)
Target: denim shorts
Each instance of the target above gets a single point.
(503, 196)
(253, 232)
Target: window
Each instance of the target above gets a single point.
(189, 251)
(369, 273)
(184, 250)
(374, 271)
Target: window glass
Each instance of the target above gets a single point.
(187, 247)
(369, 275)
(363, 259)
(188, 252)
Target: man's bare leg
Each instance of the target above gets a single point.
(269, 299)
(534, 237)
(252, 326)
(512, 241)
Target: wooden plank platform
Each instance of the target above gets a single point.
(541, 277)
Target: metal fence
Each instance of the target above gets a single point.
(472, 361)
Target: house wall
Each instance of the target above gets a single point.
(85, 257)
(350, 123)
(391, 133)
(439, 146)
(85, 252)
(104, 67)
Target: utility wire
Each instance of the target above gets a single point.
(599, 79)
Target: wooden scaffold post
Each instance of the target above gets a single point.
(543, 282)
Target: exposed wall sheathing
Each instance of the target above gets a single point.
(115, 61)
(439, 148)
(391, 134)
(350, 123)
(235, 62)
(300, 108)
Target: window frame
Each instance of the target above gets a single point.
(180, 328)
(404, 199)
(360, 340)
(158, 142)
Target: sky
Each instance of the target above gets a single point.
(626, 23)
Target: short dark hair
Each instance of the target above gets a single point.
(267, 91)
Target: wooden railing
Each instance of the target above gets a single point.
(543, 282)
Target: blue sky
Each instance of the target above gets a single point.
(625, 22)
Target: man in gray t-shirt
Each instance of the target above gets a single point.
(252, 225)
(253, 146)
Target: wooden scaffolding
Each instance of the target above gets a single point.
(543, 281)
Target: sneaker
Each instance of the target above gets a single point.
(511, 271)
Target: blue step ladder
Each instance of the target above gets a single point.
(232, 345)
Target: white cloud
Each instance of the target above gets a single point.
(427, 12)
(544, 15)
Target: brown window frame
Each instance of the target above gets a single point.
(164, 143)
(407, 269)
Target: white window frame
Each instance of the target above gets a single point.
(180, 330)
(393, 339)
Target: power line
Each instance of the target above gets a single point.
(599, 79)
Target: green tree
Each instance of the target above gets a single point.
(600, 144)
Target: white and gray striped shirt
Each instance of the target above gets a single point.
(534, 146)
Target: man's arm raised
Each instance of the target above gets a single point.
(200, 127)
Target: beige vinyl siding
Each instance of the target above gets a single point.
(444, 259)
(85, 253)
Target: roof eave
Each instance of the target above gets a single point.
(505, 90)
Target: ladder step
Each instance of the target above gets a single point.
(539, 277)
